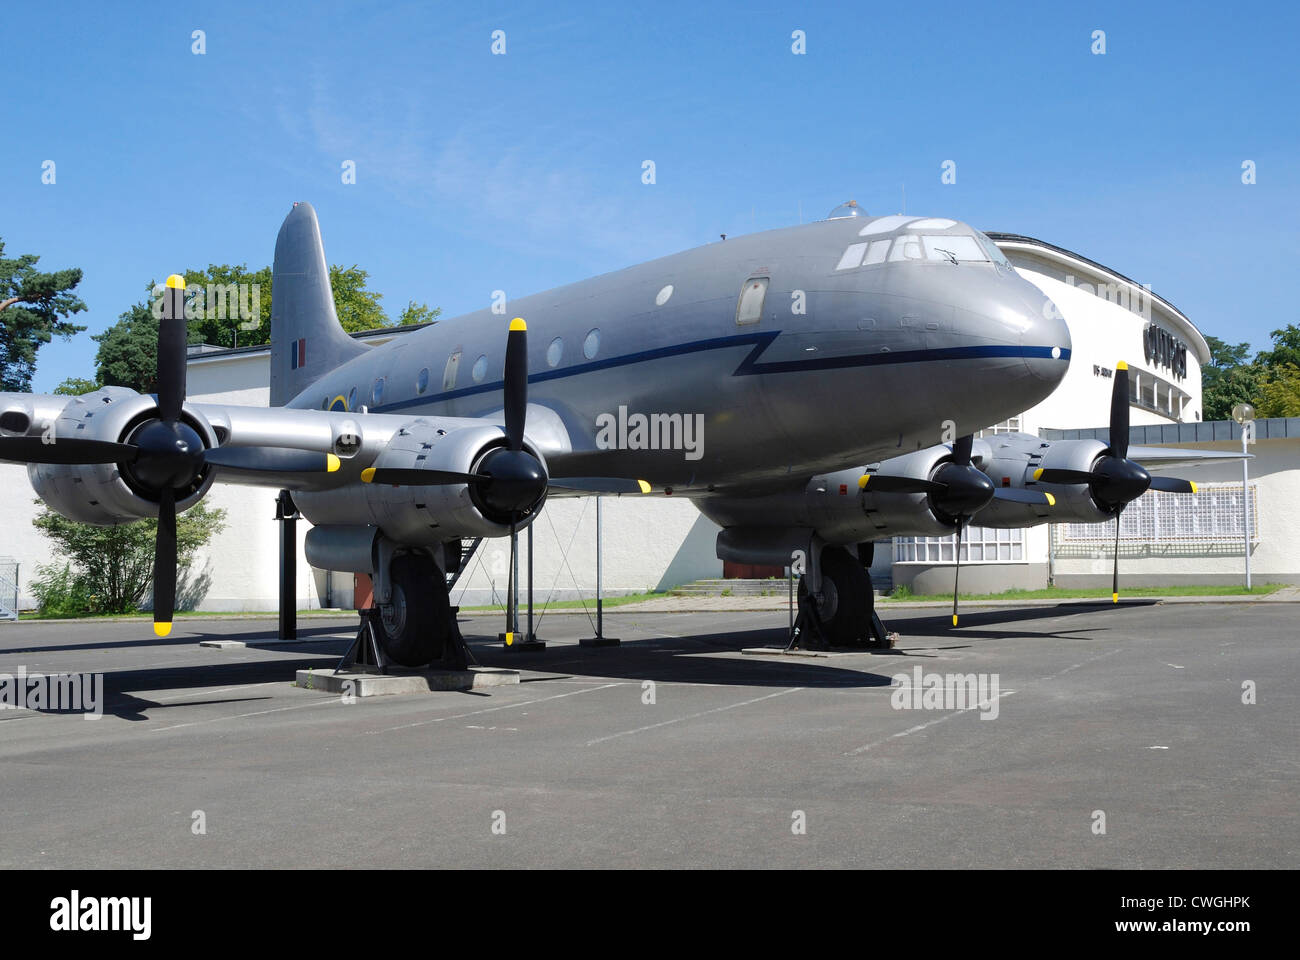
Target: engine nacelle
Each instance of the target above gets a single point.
(838, 510)
(1014, 461)
(420, 515)
(106, 494)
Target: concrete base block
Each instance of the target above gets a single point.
(240, 644)
(599, 642)
(363, 684)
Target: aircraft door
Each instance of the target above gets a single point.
(749, 307)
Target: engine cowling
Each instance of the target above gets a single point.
(107, 494)
(421, 515)
(839, 510)
(1017, 458)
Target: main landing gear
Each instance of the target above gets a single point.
(843, 613)
(416, 627)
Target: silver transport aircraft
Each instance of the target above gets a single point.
(758, 376)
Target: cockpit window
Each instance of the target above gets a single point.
(994, 253)
(907, 247)
(954, 249)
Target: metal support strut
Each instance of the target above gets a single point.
(286, 511)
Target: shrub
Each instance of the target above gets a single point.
(61, 593)
(114, 565)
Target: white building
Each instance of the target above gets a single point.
(656, 543)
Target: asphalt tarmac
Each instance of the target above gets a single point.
(1103, 736)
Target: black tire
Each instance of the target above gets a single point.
(413, 628)
(848, 600)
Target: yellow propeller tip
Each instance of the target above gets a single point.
(332, 463)
(176, 282)
(1051, 500)
(518, 324)
(1114, 598)
(162, 629)
(510, 639)
(645, 487)
(863, 480)
(1121, 365)
(1038, 473)
(954, 619)
(1193, 483)
(368, 475)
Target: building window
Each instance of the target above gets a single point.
(1009, 425)
(1212, 515)
(978, 545)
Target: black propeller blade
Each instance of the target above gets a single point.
(516, 383)
(956, 570)
(71, 450)
(271, 460)
(600, 484)
(1020, 495)
(1173, 485)
(1114, 576)
(164, 563)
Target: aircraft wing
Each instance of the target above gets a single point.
(1157, 458)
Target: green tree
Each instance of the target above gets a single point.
(110, 569)
(418, 313)
(75, 387)
(1280, 394)
(128, 351)
(1228, 379)
(357, 307)
(1286, 349)
(220, 308)
(34, 307)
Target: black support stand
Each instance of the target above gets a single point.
(286, 511)
(365, 653)
(807, 631)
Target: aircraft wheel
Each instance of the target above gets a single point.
(412, 634)
(845, 610)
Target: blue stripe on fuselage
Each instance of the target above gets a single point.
(750, 366)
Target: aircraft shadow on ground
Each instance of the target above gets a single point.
(184, 637)
(664, 660)
(675, 659)
(939, 626)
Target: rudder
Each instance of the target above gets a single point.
(306, 339)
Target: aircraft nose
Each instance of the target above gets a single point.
(1045, 339)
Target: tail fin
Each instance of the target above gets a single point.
(306, 339)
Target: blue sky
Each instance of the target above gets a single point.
(521, 172)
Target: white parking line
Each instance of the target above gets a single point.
(921, 726)
(255, 713)
(702, 713)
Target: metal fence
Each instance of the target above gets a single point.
(8, 588)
